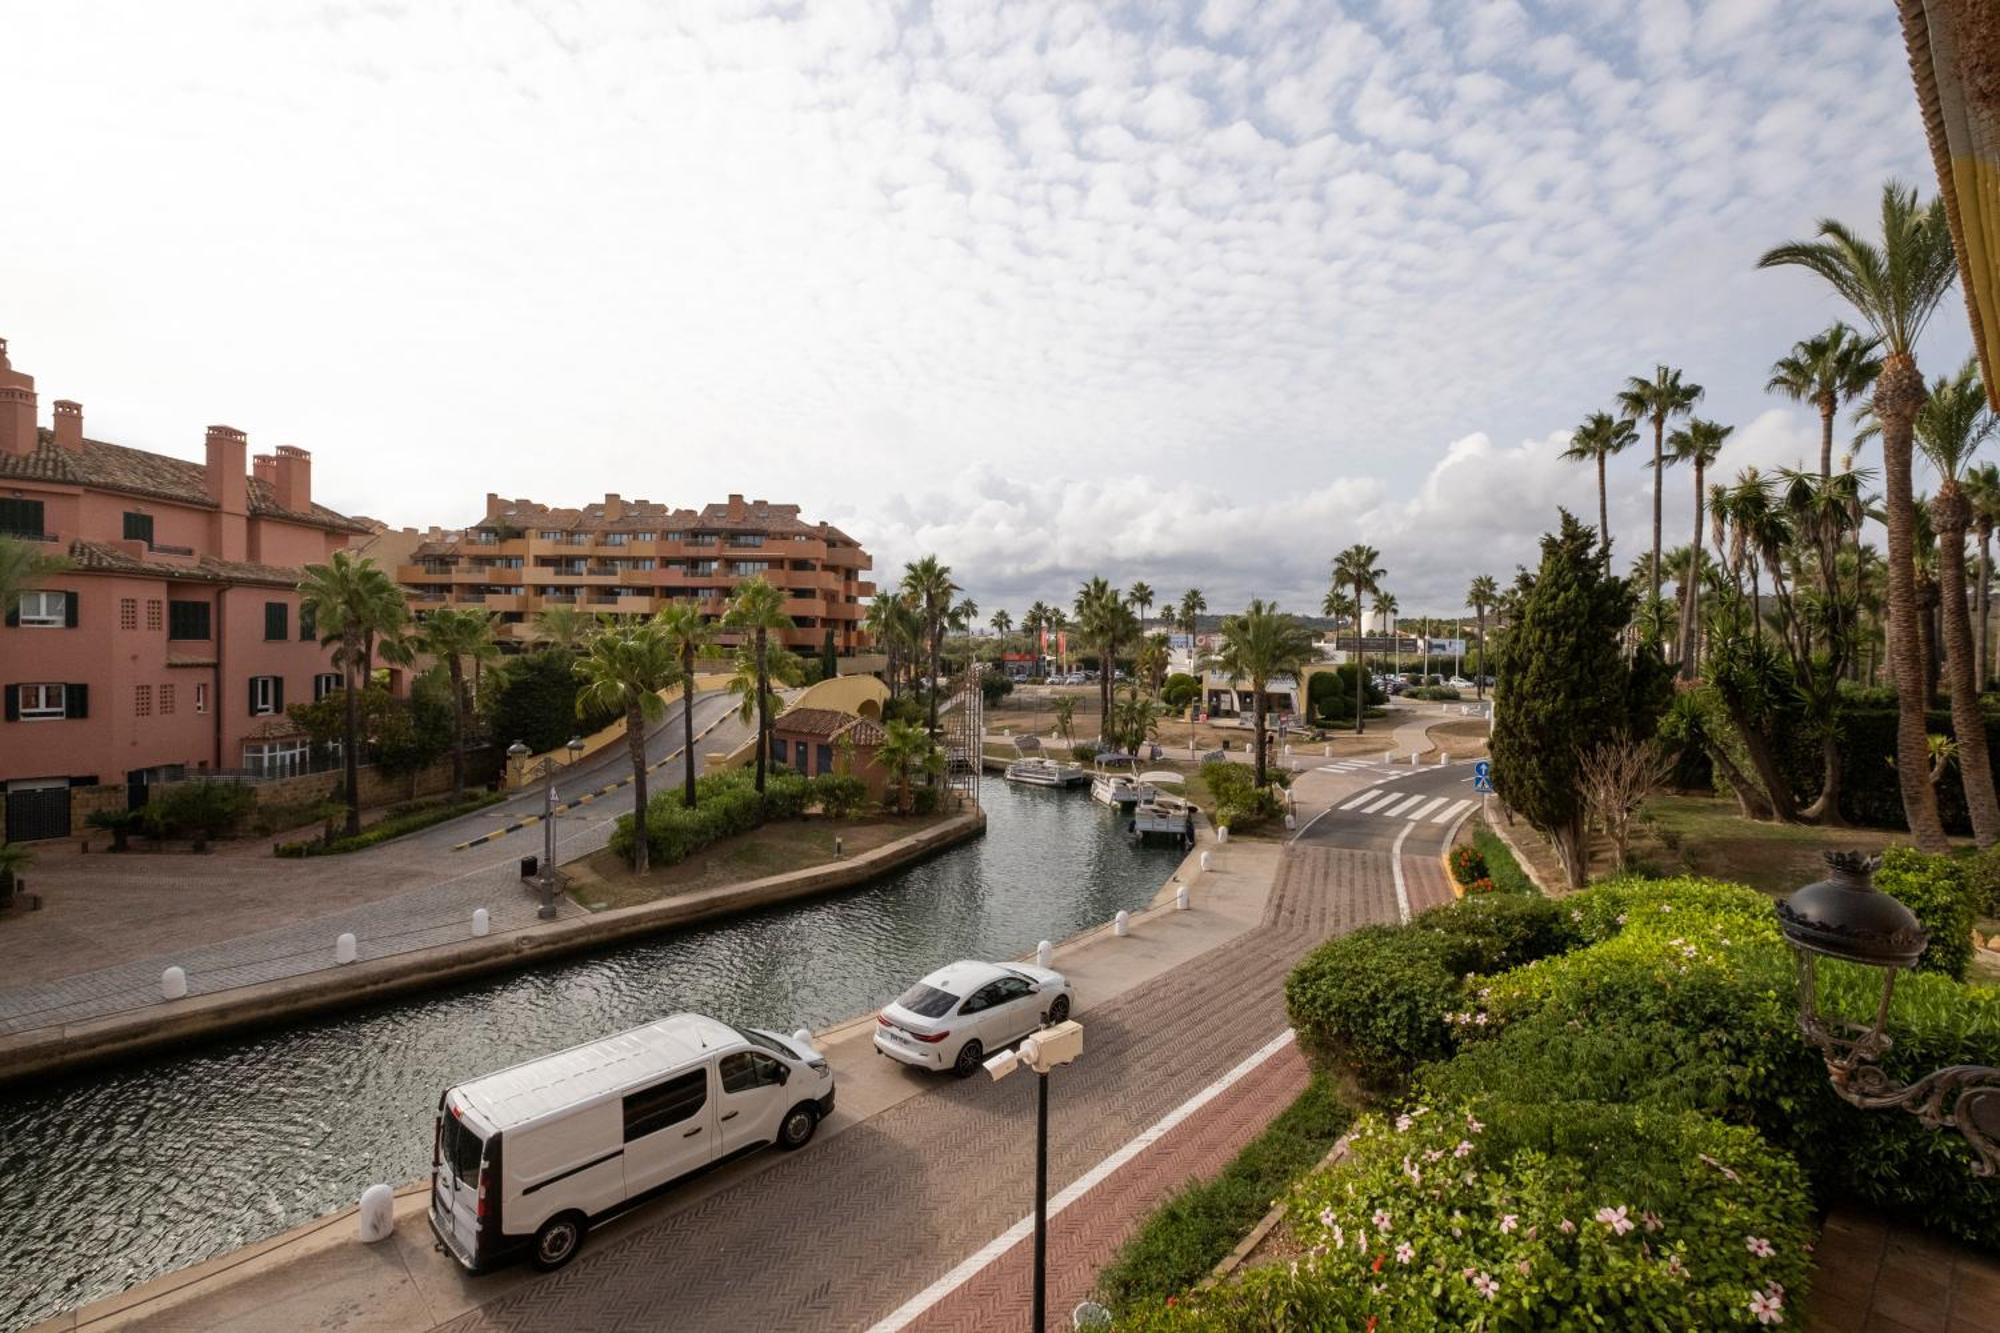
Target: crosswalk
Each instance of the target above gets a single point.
(1394, 804)
(1350, 766)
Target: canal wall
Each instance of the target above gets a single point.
(62, 1047)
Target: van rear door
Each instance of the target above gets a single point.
(455, 1182)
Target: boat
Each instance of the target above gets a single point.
(1159, 812)
(1040, 771)
(1116, 781)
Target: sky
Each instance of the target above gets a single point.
(1192, 293)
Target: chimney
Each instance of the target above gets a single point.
(492, 505)
(614, 508)
(264, 467)
(294, 480)
(17, 408)
(69, 424)
(735, 510)
(229, 488)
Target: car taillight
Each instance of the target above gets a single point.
(883, 1019)
(930, 1037)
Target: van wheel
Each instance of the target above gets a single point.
(559, 1240)
(797, 1127)
(970, 1056)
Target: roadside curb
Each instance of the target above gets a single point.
(1520, 857)
(1230, 1262)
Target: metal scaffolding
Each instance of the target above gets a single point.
(965, 735)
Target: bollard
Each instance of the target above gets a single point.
(1044, 953)
(378, 1213)
(1205, 860)
(803, 1037)
(1413, 759)
(173, 984)
(481, 922)
(1180, 897)
(1222, 833)
(1121, 925)
(1388, 756)
(1443, 758)
(343, 948)
(1327, 752)
(1288, 751)
(836, 849)
(1289, 823)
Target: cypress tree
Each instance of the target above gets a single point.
(829, 665)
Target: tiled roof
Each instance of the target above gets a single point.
(97, 558)
(113, 467)
(865, 733)
(647, 516)
(814, 721)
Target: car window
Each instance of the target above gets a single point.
(927, 1001)
(1007, 989)
(745, 1071)
(983, 998)
(460, 1150)
(653, 1109)
(768, 1042)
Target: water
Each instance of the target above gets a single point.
(109, 1178)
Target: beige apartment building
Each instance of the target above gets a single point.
(633, 557)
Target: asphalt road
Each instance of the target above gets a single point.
(1420, 805)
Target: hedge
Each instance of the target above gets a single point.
(411, 820)
(727, 804)
(1240, 804)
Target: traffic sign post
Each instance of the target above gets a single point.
(1482, 776)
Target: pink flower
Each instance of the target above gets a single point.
(1403, 1123)
(1326, 1217)
(1509, 1222)
(1523, 1267)
(1464, 1148)
(1615, 1219)
(1767, 1307)
(1651, 1220)
(1486, 1286)
(1339, 1238)
(1381, 1220)
(1568, 1227)
(1472, 1123)
(1758, 1246)
(1405, 1252)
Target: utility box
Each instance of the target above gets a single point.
(1053, 1046)
(529, 865)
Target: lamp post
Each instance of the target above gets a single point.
(1846, 917)
(1041, 1052)
(546, 881)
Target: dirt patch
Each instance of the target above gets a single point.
(1466, 738)
(602, 880)
(1704, 835)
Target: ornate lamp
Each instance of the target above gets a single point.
(1845, 916)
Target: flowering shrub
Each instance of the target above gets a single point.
(1468, 867)
(1939, 891)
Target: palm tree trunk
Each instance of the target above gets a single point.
(635, 745)
(1899, 391)
(764, 712)
(1827, 407)
(1691, 602)
(931, 685)
(1659, 474)
(1479, 678)
(458, 720)
(687, 723)
(1603, 511)
(1975, 768)
(1982, 644)
(1257, 727)
(350, 757)
(1360, 673)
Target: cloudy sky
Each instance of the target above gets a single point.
(1195, 293)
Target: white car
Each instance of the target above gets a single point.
(1459, 683)
(958, 1015)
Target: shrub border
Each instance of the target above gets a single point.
(389, 829)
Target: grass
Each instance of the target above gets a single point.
(1501, 867)
(1705, 835)
(411, 820)
(1190, 1233)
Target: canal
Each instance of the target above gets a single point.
(113, 1177)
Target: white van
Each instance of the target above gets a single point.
(531, 1157)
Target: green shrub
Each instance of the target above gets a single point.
(1084, 752)
(1330, 694)
(840, 796)
(1436, 693)
(409, 817)
(1501, 867)
(1240, 804)
(926, 801)
(1982, 881)
(727, 803)
(1937, 890)
(121, 824)
(1180, 690)
(201, 809)
(1190, 1233)
(1468, 866)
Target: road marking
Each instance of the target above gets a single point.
(1402, 807)
(1368, 795)
(1396, 866)
(1377, 801)
(917, 1305)
(1450, 812)
(1425, 808)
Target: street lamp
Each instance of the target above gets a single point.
(1041, 1051)
(1846, 917)
(546, 881)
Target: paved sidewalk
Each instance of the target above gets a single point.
(1875, 1276)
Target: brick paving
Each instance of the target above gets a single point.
(1876, 1276)
(838, 1237)
(435, 911)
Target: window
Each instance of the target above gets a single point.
(139, 528)
(21, 518)
(44, 610)
(277, 620)
(652, 1109)
(201, 697)
(459, 1150)
(777, 750)
(643, 562)
(645, 536)
(155, 614)
(677, 536)
(703, 567)
(325, 683)
(277, 759)
(752, 566)
(548, 536)
(267, 695)
(746, 539)
(142, 701)
(927, 1001)
(38, 703)
(825, 764)
(187, 620)
(308, 622)
(166, 701)
(128, 613)
(746, 1071)
(614, 538)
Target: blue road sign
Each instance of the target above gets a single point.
(1482, 776)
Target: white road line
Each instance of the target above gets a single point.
(1377, 802)
(1425, 808)
(910, 1310)
(1395, 811)
(1396, 866)
(1368, 795)
(1452, 811)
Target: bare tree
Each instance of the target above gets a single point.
(1616, 777)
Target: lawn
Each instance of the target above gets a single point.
(602, 880)
(1704, 835)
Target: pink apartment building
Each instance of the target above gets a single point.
(172, 641)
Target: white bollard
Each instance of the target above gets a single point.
(481, 922)
(1205, 862)
(1388, 756)
(1443, 758)
(343, 948)
(173, 984)
(1180, 897)
(1289, 824)
(1121, 925)
(1327, 753)
(1044, 954)
(378, 1213)
(1288, 751)
(1222, 833)
(803, 1037)
(1413, 759)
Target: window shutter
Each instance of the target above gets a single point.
(277, 694)
(253, 696)
(76, 701)
(69, 610)
(14, 612)
(13, 703)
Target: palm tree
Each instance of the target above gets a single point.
(1827, 370)
(1104, 620)
(455, 635)
(20, 566)
(1982, 492)
(929, 587)
(1001, 622)
(1895, 286)
(1192, 604)
(1599, 437)
(894, 628)
(905, 748)
(351, 602)
(688, 635)
(1483, 593)
(1149, 664)
(1698, 443)
(1656, 400)
(623, 669)
(1257, 646)
(759, 608)
(563, 627)
(1355, 568)
(1140, 595)
(1949, 427)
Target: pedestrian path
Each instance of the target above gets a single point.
(1395, 804)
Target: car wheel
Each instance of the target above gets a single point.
(1059, 1010)
(970, 1057)
(797, 1127)
(558, 1241)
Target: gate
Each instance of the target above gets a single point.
(38, 813)
(137, 788)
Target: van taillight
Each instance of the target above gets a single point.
(485, 1182)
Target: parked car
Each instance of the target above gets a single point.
(530, 1158)
(958, 1015)
(1459, 683)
